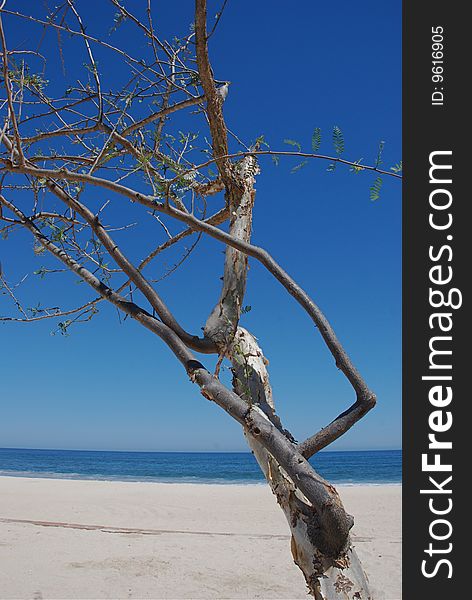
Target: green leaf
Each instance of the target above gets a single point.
(260, 141)
(375, 189)
(35, 310)
(118, 19)
(398, 168)
(316, 139)
(357, 167)
(378, 160)
(338, 140)
(294, 143)
(298, 167)
(62, 327)
(41, 272)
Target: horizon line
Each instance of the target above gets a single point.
(185, 451)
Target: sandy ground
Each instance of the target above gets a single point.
(113, 540)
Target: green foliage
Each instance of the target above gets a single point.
(298, 146)
(187, 138)
(246, 309)
(21, 76)
(58, 233)
(35, 310)
(297, 168)
(338, 143)
(316, 139)
(42, 272)
(92, 68)
(144, 159)
(338, 140)
(118, 19)
(357, 167)
(260, 141)
(378, 160)
(62, 327)
(375, 189)
(293, 143)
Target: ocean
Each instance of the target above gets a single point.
(367, 467)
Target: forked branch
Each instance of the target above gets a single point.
(365, 398)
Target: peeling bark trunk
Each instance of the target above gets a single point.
(327, 578)
(222, 322)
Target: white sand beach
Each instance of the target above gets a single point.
(63, 539)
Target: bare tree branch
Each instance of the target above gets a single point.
(342, 360)
(163, 113)
(56, 314)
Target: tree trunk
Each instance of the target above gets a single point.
(320, 542)
(340, 578)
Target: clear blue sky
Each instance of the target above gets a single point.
(115, 386)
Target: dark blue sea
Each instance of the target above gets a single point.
(368, 467)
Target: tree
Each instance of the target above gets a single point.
(82, 155)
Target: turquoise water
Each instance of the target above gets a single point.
(371, 467)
